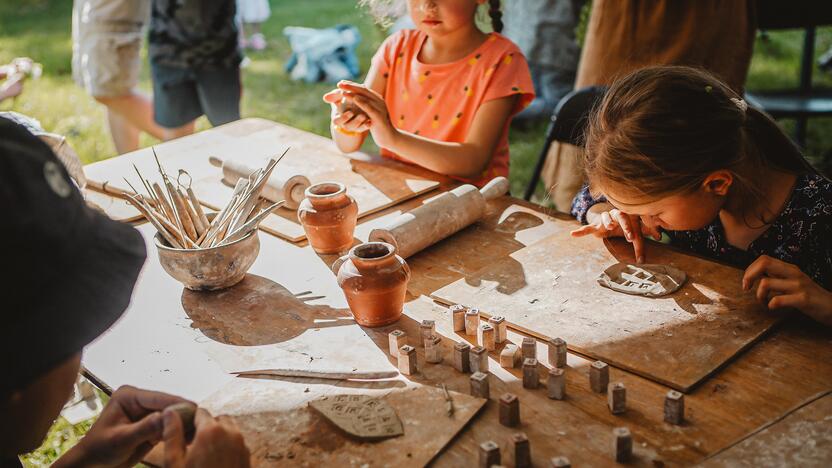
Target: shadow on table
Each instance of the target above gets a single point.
(258, 311)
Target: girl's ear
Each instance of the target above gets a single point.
(718, 182)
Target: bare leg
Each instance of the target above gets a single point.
(125, 135)
(136, 109)
(173, 133)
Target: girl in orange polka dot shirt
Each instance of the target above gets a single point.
(440, 96)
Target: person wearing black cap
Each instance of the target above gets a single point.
(70, 274)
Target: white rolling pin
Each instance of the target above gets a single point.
(291, 190)
(439, 217)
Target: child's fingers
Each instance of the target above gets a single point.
(796, 301)
(606, 221)
(766, 266)
(770, 287)
(625, 222)
(356, 122)
(372, 111)
(638, 247)
(584, 230)
(334, 96)
(343, 118)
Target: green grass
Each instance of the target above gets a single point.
(41, 29)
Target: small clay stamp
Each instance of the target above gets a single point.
(509, 410)
(427, 329)
(397, 339)
(499, 324)
(556, 384)
(557, 353)
(479, 385)
(458, 314)
(472, 321)
(433, 349)
(531, 377)
(489, 454)
(561, 462)
(479, 359)
(674, 407)
(407, 360)
(522, 450)
(529, 348)
(461, 360)
(510, 356)
(599, 376)
(622, 444)
(617, 398)
(488, 337)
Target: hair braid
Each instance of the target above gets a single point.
(496, 15)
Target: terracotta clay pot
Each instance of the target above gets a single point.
(328, 216)
(374, 280)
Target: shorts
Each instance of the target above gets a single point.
(106, 41)
(180, 95)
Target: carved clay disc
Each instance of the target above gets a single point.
(360, 416)
(649, 280)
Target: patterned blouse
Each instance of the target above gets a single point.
(801, 234)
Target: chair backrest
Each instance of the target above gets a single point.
(793, 14)
(572, 114)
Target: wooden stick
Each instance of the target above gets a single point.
(182, 211)
(198, 208)
(152, 219)
(198, 226)
(251, 225)
(329, 375)
(160, 194)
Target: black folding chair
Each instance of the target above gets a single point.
(806, 100)
(566, 126)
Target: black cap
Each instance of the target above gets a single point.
(68, 270)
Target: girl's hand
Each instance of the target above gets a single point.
(606, 221)
(781, 284)
(344, 116)
(372, 104)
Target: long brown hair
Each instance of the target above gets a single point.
(660, 131)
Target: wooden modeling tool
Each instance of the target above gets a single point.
(439, 217)
(319, 374)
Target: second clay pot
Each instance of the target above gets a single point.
(374, 280)
(328, 215)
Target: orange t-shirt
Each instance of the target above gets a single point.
(439, 101)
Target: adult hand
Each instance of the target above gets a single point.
(372, 104)
(216, 443)
(128, 427)
(606, 221)
(781, 284)
(12, 87)
(345, 115)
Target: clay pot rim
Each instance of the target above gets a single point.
(391, 251)
(341, 189)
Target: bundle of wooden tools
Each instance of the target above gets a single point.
(180, 220)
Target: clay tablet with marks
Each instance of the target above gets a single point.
(649, 280)
(360, 416)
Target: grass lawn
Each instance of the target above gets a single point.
(41, 29)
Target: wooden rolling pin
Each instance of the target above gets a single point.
(276, 189)
(439, 217)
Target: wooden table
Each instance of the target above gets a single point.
(180, 342)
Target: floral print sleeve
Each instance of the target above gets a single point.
(582, 202)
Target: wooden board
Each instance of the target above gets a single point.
(550, 290)
(802, 438)
(278, 434)
(374, 186)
